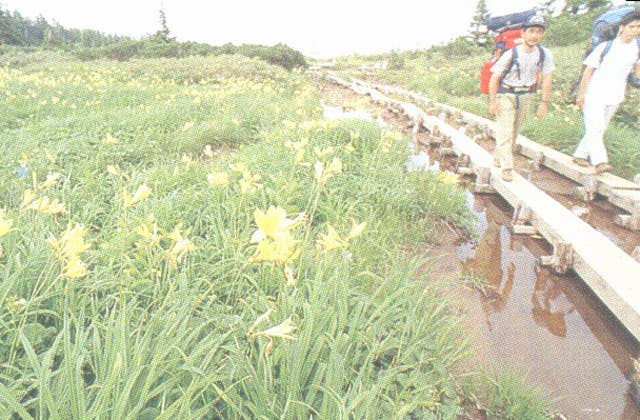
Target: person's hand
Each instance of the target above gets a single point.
(542, 110)
(493, 109)
(580, 101)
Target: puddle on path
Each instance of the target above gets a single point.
(530, 320)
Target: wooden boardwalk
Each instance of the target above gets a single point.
(620, 192)
(612, 275)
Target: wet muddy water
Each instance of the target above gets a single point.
(530, 320)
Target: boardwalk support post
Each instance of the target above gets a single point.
(462, 165)
(483, 181)
(521, 221)
(589, 188)
(562, 258)
(630, 221)
(538, 160)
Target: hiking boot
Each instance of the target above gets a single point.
(507, 175)
(581, 162)
(496, 162)
(603, 167)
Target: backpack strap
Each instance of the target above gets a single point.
(514, 60)
(541, 57)
(606, 49)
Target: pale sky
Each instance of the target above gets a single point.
(317, 29)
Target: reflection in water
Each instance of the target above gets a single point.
(550, 305)
(551, 327)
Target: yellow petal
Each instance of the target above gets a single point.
(218, 178)
(356, 230)
(50, 181)
(5, 224)
(282, 330)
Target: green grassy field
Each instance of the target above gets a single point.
(189, 238)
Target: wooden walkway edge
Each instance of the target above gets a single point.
(611, 274)
(620, 192)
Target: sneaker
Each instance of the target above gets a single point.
(603, 167)
(581, 162)
(496, 162)
(507, 175)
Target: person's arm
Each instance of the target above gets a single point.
(493, 90)
(637, 70)
(584, 82)
(546, 94)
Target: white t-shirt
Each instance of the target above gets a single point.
(528, 66)
(608, 82)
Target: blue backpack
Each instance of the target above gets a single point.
(605, 29)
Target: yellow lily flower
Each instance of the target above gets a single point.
(218, 178)
(208, 151)
(27, 197)
(282, 330)
(248, 183)
(259, 320)
(239, 167)
(273, 221)
(73, 238)
(356, 230)
(45, 205)
(279, 251)
(114, 170)
(50, 181)
(109, 139)
(149, 232)
(141, 193)
(331, 240)
(180, 247)
(74, 269)
(448, 178)
(71, 243)
(5, 224)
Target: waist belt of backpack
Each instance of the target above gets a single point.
(516, 90)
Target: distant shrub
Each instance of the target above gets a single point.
(459, 47)
(20, 57)
(279, 54)
(396, 60)
(196, 69)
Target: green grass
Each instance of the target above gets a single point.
(508, 396)
(150, 333)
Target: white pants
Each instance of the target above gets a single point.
(596, 118)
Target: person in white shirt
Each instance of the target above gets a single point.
(602, 89)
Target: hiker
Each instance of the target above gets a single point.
(511, 87)
(602, 89)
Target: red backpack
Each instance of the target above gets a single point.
(503, 41)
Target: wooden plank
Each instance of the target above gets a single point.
(606, 269)
(621, 192)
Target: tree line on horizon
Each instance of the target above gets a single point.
(88, 44)
(21, 31)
